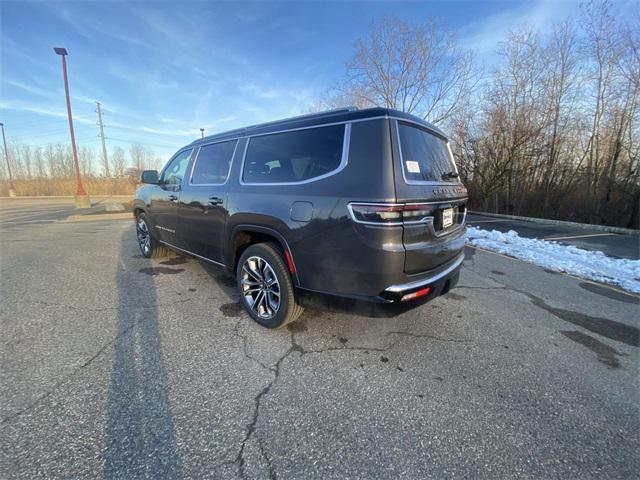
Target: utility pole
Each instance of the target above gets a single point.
(104, 147)
(12, 192)
(202, 133)
(82, 199)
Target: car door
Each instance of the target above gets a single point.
(164, 199)
(203, 202)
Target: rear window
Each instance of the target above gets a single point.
(294, 156)
(425, 156)
(212, 164)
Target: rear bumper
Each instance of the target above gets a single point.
(439, 283)
(396, 292)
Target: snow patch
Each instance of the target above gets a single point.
(592, 265)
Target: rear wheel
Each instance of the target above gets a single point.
(265, 286)
(149, 245)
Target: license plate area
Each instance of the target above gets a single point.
(447, 216)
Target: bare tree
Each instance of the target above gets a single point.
(86, 157)
(118, 161)
(137, 153)
(419, 69)
(38, 160)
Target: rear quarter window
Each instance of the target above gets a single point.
(294, 156)
(425, 156)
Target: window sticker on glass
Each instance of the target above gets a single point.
(412, 167)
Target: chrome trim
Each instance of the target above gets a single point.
(197, 156)
(426, 219)
(425, 281)
(344, 160)
(192, 254)
(402, 164)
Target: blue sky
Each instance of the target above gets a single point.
(162, 70)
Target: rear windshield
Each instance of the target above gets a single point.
(293, 156)
(425, 156)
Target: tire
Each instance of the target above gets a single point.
(149, 245)
(257, 268)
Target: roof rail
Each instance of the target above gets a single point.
(306, 115)
(283, 120)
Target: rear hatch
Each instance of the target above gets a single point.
(427, 182)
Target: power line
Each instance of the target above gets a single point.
(142, 143)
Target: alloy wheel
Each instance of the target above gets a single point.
(144, 239)
(260, 287)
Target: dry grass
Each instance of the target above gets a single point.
(67, 186)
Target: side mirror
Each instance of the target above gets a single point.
(149, 176)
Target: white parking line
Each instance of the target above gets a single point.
(581, 236)
(489, 221)
(11, 219)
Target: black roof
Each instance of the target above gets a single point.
(319, 118)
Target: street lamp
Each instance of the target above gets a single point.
(82, 199)
(202, 132)
(12, 192)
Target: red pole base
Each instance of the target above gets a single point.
(83, 201)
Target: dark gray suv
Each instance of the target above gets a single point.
(364, 204)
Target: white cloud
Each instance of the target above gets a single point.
(485, 34)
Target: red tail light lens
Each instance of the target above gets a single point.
(390, 213)
(418, 294)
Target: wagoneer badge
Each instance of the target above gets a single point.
(450, 191)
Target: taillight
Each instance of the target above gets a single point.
(389, 213)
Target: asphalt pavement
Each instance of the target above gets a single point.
(115, 366)
(613, 244)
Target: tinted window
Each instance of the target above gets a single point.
(212, 163)
(293, 156)
(424, 155)
(175, 170)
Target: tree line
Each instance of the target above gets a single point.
(56, 161)
(550, 130)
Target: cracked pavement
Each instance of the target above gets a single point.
(114, 366)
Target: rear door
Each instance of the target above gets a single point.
(426, 174)
(203, 207)
(164, 199)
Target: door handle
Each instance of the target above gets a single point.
(215, 201)
(173, 198)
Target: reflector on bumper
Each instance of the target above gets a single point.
(419, 293)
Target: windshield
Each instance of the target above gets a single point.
(425, 156)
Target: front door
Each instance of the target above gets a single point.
(203, 202)
(164, 199)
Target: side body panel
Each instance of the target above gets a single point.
(331, 253)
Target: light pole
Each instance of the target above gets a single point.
(202, 133)
(82, 199)
(12, 192)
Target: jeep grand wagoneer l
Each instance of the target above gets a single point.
(364, 204)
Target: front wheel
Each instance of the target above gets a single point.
(265, 286)
(147, 242)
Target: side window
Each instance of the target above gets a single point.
(174, 172)
(213, 162)
(293, 156)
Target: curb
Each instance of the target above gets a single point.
(602, 228)
(99, 217)
(45, 197)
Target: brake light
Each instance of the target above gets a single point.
(389, 213)
(418, 294)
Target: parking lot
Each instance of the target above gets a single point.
(117, 366)
(613, 244)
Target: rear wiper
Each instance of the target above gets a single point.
(450, 175)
